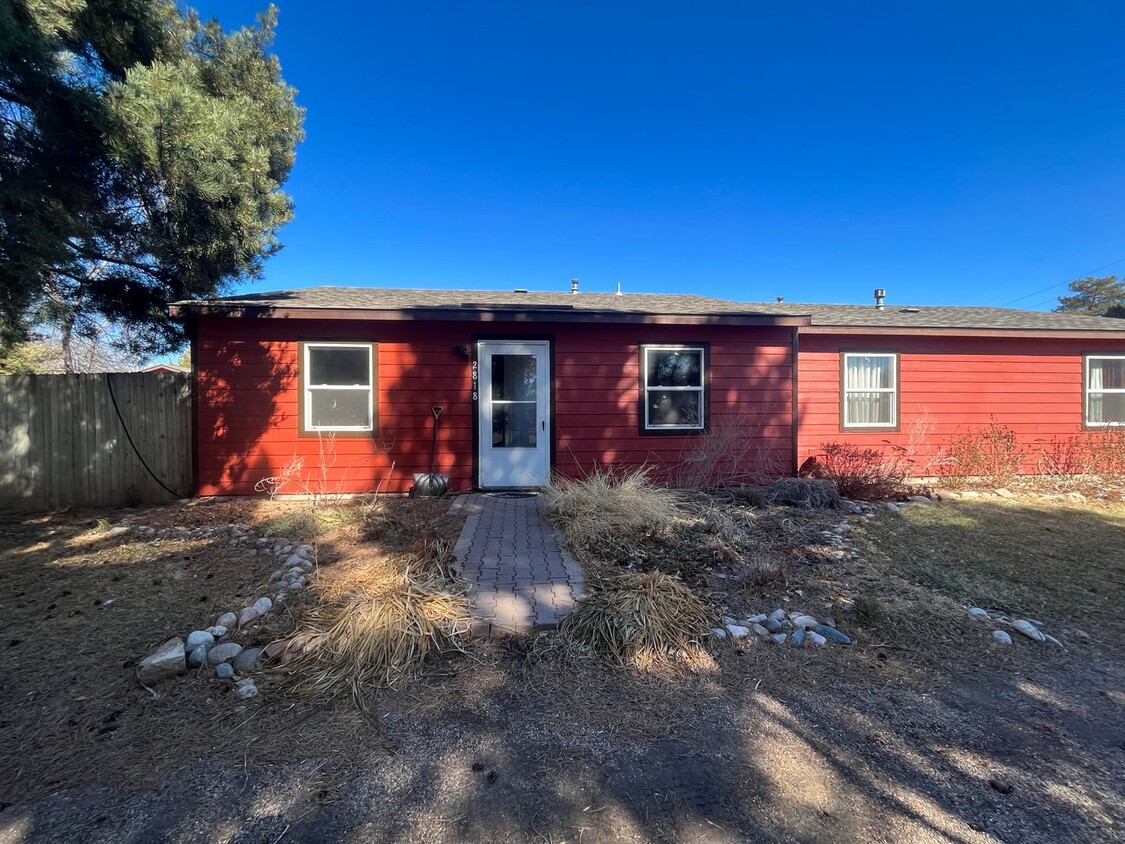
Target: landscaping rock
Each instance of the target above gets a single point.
(224, 671)
(294, 560)
(803, 621)
(1028, 629)
(248, 616)
(920, 499)
(757, 619)
(777, 615)
(248, 660)
(815, 638)
(1001, 638)
(245, 691)
(166, 661)
(224, 652)
(760, 630)
(779, 638)
(773, 625)
(798, 637)
(1005, 493)
(978, 613)
(198, 656)
(719, 632)
(832, 633)
(196, 638)
(1082, 635)
(738, 631)
(1051, 640)
(217, 631)
(227, 620)
(263, 605)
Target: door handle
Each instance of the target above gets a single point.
(543, 425)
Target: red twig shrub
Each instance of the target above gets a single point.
(865, 474)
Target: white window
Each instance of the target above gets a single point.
(870, 390)
(338, 387)
(673, 387)
(1105, 390)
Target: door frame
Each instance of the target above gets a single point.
(476, 340)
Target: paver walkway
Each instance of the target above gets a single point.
(521, 578)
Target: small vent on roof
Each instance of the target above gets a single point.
(880, 295)
(910, 310)
(520, 290)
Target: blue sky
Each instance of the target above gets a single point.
(953, 153)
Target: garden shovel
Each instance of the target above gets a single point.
(431, 484)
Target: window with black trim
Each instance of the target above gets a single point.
(338, 387)
(674, 379)
(1105, 390)
(869, 392)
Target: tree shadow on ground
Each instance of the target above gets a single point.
(778, 744)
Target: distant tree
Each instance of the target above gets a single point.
(45, 353)
(1093, 296)
(142, 153)
(1116, 311)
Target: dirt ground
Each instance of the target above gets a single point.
(921, 731)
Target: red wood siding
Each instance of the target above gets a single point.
(950, 385)
(248, 400)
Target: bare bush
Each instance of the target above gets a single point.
(865, 474)
(733, 451)
(992, 455)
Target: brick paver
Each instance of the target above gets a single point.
(521, 578)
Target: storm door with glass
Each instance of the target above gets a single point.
(513, 400)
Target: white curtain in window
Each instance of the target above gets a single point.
(869, 387)
(1096, 411)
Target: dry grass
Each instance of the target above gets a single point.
(610, 509)
(375, 638)
(640, 619)
(1050, 560)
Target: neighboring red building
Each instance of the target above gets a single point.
(331, 389)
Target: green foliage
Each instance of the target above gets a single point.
(142, 156)
(1094, 297)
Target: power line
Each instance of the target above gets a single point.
(1061, 283)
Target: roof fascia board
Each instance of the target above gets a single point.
(1061, 333)
(481, 315)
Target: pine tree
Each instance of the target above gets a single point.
(142, 154)
(1093, 296)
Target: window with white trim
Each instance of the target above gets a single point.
(338, 386)
(870, 390)
(674, 378)
(1105, 390)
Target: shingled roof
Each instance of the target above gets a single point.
(419, 303)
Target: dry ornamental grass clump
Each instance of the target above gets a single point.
(610, 509)
(373, 640)
(639, 619)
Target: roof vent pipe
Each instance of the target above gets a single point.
(574, 285)
(618, 289)
(880, 295)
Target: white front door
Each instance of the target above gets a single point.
(513, 400)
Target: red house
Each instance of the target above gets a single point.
(332, 389)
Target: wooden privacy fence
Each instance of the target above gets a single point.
(65, 439)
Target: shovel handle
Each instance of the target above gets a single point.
(436, 410)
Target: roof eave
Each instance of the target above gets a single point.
(453, 314)
(929, 331)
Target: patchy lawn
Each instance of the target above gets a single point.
(921, 731)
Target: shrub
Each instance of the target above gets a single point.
(1089, 453)
(992, 455)
(609, 509)
(865, 474)
(639, 619)
(733, 451)
(809, 493)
